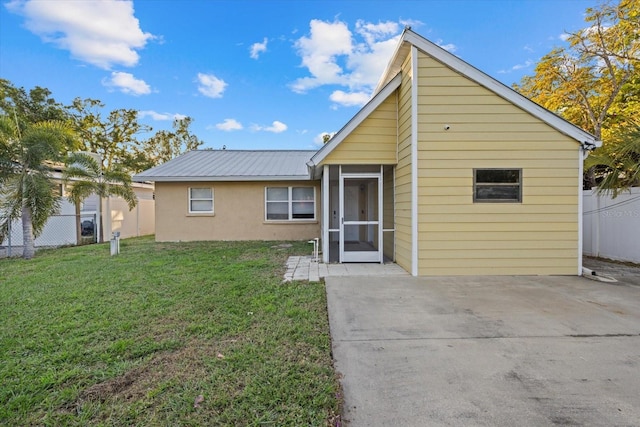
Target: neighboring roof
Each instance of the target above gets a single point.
(410, 38)
(232, 165)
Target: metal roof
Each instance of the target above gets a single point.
(232, 165)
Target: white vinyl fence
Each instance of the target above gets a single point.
(140, 221)
(612, 226)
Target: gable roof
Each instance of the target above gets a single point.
(369, 108)
(410, 38)
(232, 165)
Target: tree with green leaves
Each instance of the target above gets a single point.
(33, 137)
(594, 82)
(618, 163)
(113, 137)
(86, 176)
(27, 108)
(164, 145)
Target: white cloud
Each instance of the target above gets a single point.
(353, 99)
(210, 85)
(103, 33)
(229, 125)
(334, 55)
(127, 83)
(258, 48)
(161, 116)
(320, 51)
(564, 37)
(528, 63)
(319, 139)
(373, 33)
(449, 47)
(276, 127)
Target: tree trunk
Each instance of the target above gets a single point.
(76, 204)
(591, 178)
(27, 233)
(101, 218)
(591, 172)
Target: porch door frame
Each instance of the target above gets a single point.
(361, 256)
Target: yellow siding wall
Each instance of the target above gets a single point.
(403, 172)
(371, 143)
(238, 213)
(458, 237)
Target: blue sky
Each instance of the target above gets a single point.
(259, 74)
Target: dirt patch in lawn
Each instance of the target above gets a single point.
(180, 365)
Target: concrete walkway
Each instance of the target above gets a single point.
(305, 268)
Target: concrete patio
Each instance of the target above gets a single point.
(525, 351)
(306, 268)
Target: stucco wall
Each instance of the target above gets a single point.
(138, 221)
(239, 213)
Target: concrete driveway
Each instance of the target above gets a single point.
(486, 351)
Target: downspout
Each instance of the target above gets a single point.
(581, 158)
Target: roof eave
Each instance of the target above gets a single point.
(409, 37)
(374, 103)
(395, 63)
(138, 178)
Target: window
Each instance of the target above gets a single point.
(497, 185)
(201, 200)
(290, 203)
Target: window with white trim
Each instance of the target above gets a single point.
(497, 185)
(290, 203)
(200, 200)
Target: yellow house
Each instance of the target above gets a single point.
(445, 171)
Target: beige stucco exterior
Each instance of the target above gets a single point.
(139, 221)
(239, 213)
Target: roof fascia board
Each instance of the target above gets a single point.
(219, 178)
(584, 138)
(369, 108)
(395, 63)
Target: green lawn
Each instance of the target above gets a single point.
(179, 334)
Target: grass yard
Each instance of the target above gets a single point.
(164, 334)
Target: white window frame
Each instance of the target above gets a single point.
(192, 199)
(290, 202)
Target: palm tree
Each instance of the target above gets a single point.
(618, 165)
(26, 186)
(86, 176)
